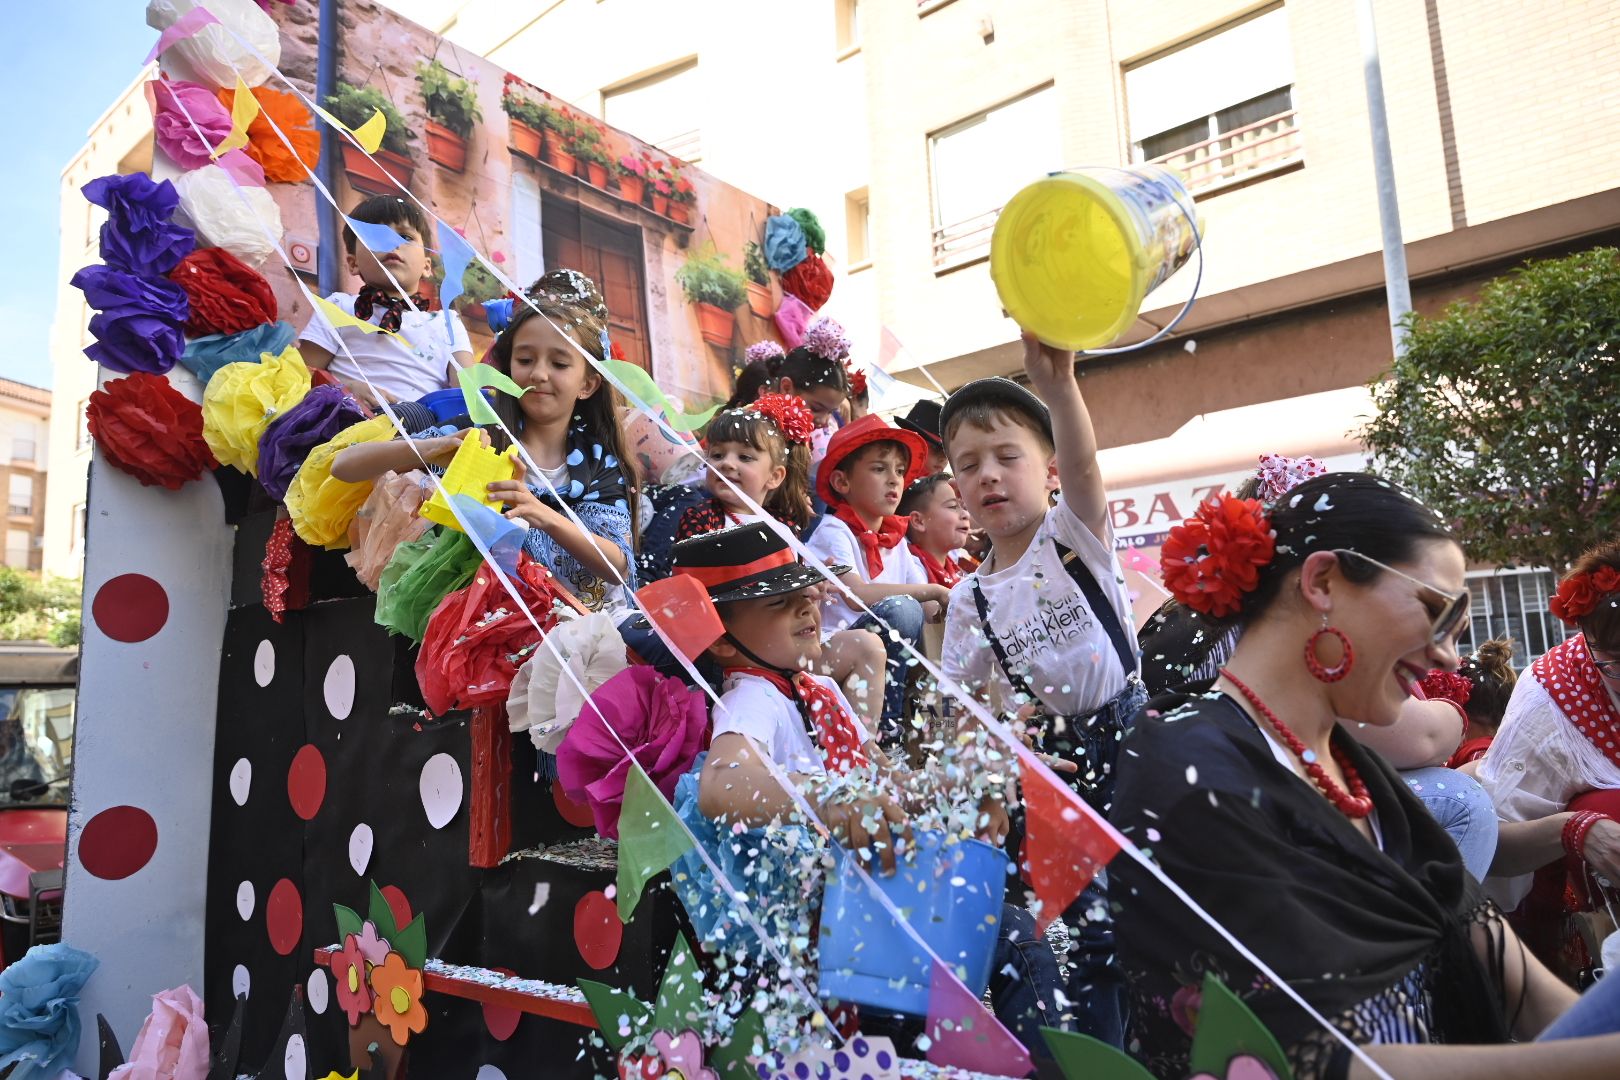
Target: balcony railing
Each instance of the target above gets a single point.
(1232, 156)
(965, 241)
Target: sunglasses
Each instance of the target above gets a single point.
(1609, 668)
(1450, 618)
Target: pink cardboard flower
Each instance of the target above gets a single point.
(1242, 1067)
(682, 1054)
(371, 944)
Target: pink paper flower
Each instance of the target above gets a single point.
(178, 106)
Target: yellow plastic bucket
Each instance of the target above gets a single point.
(1074, 255)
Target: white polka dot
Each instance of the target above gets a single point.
(241, 982)
(360, 842)
(241, 780)
(440, 788)
(489, 1072)
(319, 990)
(339, 688)
(244, 900)
(264, 663)
(295, 1066)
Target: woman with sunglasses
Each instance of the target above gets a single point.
(1554, 769)
(1301, 843)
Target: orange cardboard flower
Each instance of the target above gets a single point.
(265, 146)
(398, 992)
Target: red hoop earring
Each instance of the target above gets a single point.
(1320, 671)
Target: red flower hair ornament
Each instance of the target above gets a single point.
(1579, 594)
(1440, 685)
(1214, 557)
(790, 414)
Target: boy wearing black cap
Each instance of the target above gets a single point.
(1051, 605)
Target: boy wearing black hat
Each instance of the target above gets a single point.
(1051, 605)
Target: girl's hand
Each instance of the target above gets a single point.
(440, 449)
(363, 393)
(521, 503)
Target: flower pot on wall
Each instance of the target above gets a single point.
(759, 300)
(522, 138)
(680, 212)
(555, 154)
(632, 188)
(660, 204)
(716, 324)
(445, 147)
(596, 174)
(367, 175)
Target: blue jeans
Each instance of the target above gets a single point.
(1596, 1013)
(1463, 809)
(1023, 979)
(902, 615)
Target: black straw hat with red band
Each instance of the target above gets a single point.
(869, 429)
(745, 562)
(923, 418)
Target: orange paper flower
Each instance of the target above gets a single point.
(398, 992)
(264, 146)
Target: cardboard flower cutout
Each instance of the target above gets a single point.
(379, 968)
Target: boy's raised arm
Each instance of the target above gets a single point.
(1051, 375)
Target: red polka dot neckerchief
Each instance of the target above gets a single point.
(1567, 674)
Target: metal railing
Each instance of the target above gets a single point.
(1262, 146)
(964, 241)
(1513, 603)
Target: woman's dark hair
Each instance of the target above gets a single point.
(1602, 625)
(806, 369)
(1490, 669)
(1342, 511)
(789, 503)
(571, 302)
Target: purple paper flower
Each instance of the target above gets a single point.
(130, 340)
(109, 289)
(138, 235)
(184, 109)
(325, 411)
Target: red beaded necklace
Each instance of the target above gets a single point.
(1355, 803)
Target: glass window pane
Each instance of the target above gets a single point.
(1256, 108)
(978, 165)
(1155, 146)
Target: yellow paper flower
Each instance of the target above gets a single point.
(241, 400)
(320, 506)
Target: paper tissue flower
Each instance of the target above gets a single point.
(207, 354)
(811, 281)
(476, 638)
(397, 998)
(182, 110)
(544, 700)
(325, 411)
(138, 326)
(815, 237)
(792, 319)
(243, 220)
(785, 243)
(245, 43)
(320, 505)
(242, 399)
(661, 720)
(227, 296)
(387, 519)
(283, 108)
(139, 235)
(173, 1042)
(39, 1009)
(150, 430)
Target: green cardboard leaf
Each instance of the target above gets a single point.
(411, 942)
(473, 379)
(651, 838)
(1080, 1057)
(608, 1003)
(381, 915)
(730, 1059)
(1227, 1028)
(348, 922)
(680, 995)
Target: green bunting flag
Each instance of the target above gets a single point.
(473, 380)
(650, 838)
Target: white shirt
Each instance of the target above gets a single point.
(1536, 764)
(834, 543)
(753, 706)
(406, 372)
(1042, 620)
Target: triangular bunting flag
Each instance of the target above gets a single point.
(963, 1033)
(680, 995)
(1065, 844)
(340, 318)
(244, 108)
(474, 378)
(369, 134)
(650, 838)
(680, 606)
(456, 254)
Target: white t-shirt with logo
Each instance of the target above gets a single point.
(753, 706)
(407, 372)
(1043, 622)
(834, 542)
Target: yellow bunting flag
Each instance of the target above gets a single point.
(244, 109)
(369, 134)
(339, 318)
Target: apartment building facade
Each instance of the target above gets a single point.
(25, 413)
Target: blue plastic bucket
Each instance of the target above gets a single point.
(951, 895)
(445, 404)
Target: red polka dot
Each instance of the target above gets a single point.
(572, 812)
(284, 917)
(306, 782)
(117, 842)
(501, 1021)
(597, 930)
(130, 607)
(398, 905)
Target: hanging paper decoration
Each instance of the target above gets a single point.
(387, 519)
(964, 1034)
(811, 281)
(651, 838)
(227, 296)
(639, 382)
(785, 243)
(39, 1009)
(139, 235)
(173, 1041)
(1064, 846)
(244, 108)
(242, 399)
(369, 134)
(456, 254)
(243, 220)
(207, 354)
(138, 324)
(815, 237)
(242, 42)
(792, 320)
(183, 27)
(420, 576)
(279, 109)
(187, 122)
(680, 607)
(150, 430)
(472, 380)
(661, 720)
(545, 700)
(320, 505)
(325, 411)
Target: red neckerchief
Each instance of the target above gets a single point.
(1580, 694)
(940, 572)
(835, 728)
(890, 531)
(1470, 750)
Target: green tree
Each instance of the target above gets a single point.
(32, 609)
(1501, 415)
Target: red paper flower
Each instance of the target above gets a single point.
(1448, 686)
(150, 430)
(476, 638)
(857, 380)
(811, 281)
(1579, 594)
(789, 413)
(227, 295)
(1214, 557)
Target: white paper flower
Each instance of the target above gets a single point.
(245, 42)
(544, 701)
(245, 221)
